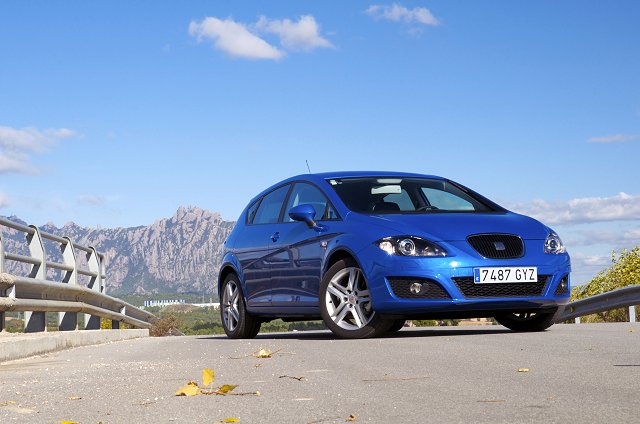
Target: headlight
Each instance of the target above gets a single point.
(410, 246)
(553, 245)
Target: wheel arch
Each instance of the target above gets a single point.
(338, 255)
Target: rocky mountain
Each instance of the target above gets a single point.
(179, 254)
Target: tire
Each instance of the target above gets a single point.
(345, 303)
(397, 325)
(527, 321)
(236, 321)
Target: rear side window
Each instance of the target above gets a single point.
(268, 211)
(251, 213)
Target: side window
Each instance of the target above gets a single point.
(251, 213)
(446, 201)
(269, 210)
(306, 194)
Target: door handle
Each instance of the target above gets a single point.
(275, 236)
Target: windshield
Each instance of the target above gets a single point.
(407, 195)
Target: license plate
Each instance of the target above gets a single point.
(507, 274)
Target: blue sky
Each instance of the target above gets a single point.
(116, 113)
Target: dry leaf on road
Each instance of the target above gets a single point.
(190, 389)
(207, 376)
(523, 369)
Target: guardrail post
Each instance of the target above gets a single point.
(92, 322)
(115, 325)
(36, 321)
(632, 313)
(68, 321)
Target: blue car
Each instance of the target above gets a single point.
(365, 251)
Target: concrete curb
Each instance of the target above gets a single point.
(20, 345)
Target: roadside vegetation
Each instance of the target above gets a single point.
(624, 271)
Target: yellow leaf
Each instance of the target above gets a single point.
(632, 331)
(231, 420)
(264, 353)
(352, 417)
(523, 369)
(191, 389)
(207, 376)
(226, 388)
(75, 397)
(68, 422)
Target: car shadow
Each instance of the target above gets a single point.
(405, 333)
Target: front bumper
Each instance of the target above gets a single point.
(381, 268)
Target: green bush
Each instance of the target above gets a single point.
(624, 271)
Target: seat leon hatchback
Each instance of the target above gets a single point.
(365, 251)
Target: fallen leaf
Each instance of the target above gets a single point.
(352, 417)
(68, 422)
(75, 397)
(632, 331)
(257, 365)
(191, 389)
(231, 420)
(226, 388)
(8, 402)
(264, 353)
(207, 376)
(523, 369)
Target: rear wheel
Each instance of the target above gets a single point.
(527, 321)
(397, 325)
(345, 303)
(237, 322)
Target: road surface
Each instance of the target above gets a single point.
(588, 373)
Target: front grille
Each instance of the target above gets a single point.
(563, 287)
(430, 288)
(471, 289)
(497, 246)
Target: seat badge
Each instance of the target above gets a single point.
(499, 245)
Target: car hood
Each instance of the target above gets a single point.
(458, 226)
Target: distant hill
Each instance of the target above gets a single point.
(178, 254)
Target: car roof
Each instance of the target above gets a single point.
(364, 174)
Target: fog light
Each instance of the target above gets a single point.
(415, 288)
(564, 284)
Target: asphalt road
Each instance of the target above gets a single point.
(588, 373)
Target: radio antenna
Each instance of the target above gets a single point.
(308, 168)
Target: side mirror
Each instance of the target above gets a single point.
(303, 213)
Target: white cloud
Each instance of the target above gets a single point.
(619, 239)
(399, 13)
(621, 207)
(17, 146)
(93, 200)
(234, 38)
(616, 138)
(303, 35)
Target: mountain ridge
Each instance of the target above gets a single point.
(178, 254)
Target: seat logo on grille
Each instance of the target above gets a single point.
(499, 245)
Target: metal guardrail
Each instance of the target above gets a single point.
(621, 298)
(36, 294)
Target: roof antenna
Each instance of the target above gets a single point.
(308, 166)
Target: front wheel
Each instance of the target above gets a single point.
(237, 322)
(527, 321)
(345, 303)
